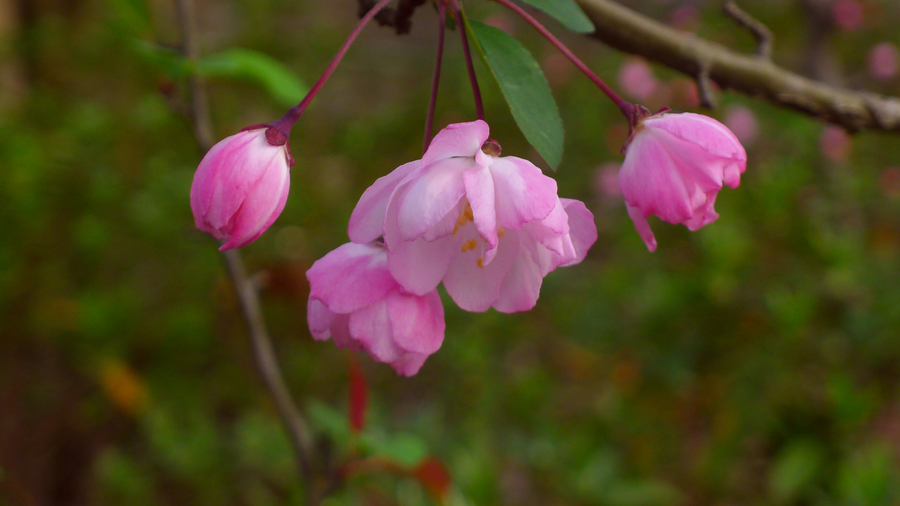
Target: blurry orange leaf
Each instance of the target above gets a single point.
(123, 387)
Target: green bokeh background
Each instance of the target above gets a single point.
(756, 361)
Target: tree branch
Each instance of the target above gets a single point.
(764, 37)
(248, 298)
(633, 33)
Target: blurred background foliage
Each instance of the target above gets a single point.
(756, 361)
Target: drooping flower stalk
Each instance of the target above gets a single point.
(287, 121)
(429, 119)
(626, 107)
(470, 67)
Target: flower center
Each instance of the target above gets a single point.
(473, 240)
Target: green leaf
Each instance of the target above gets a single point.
(165, 59)
(524, 87)
(795, 469)
(566, 12)
(281, 84)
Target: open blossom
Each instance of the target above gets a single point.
(240, 187)
(674, 166)
(489, 227)
(354, 300)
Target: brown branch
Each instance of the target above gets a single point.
(633, 33)
(248, 298)
(764, 37)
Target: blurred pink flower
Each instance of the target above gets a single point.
(520, 230)
(240, 187)
(354, 300)
(502, 21)
(636, 79)
(742, 123)
(883, 61)
(847, 14)
(686, 17)
(890, 182)
(606, 180)
(675, 165)
(835, 143)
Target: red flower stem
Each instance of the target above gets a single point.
(626, 107)
(287, 121)
(460, 25)
(429, 120)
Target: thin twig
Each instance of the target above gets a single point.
(705, 88)
(633, 33)
(263, 351)
(626, 107)
(456, 11)
(765, 39)
(436, 78)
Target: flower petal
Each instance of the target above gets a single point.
(582, 229)
(262, 205)
(651, 180)
(419, 265)
(523, 192)
(429, 196)
(409, 364)
(319, 319)
(475, 288)
(350, 277)
(522, 285)
(417, 321)
(703, 131)
(457, 140)
(480, 194)
(367, 219)
(371, 327)
(642, 226)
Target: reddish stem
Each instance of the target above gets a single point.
(470, 67)
(429, 119)
(287, 121)
(626, 107)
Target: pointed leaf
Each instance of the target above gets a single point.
(281, 84)
(524, 87)
(566, 12)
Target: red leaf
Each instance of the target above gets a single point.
(359, 394)
(434, 477)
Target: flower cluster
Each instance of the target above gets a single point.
(489, 227)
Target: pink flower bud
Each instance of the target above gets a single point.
(240, 187)
(674, 166)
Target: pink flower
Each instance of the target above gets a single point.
(884, 61)
(742, 123)
(489, 227)
(354, 300)
(848, 15)
(636, 78)
(674, 166)
(240, 187)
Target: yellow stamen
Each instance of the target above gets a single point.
(468, 212)
(480, 262)
(501, 232)
(455, 228)
(461, 219)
